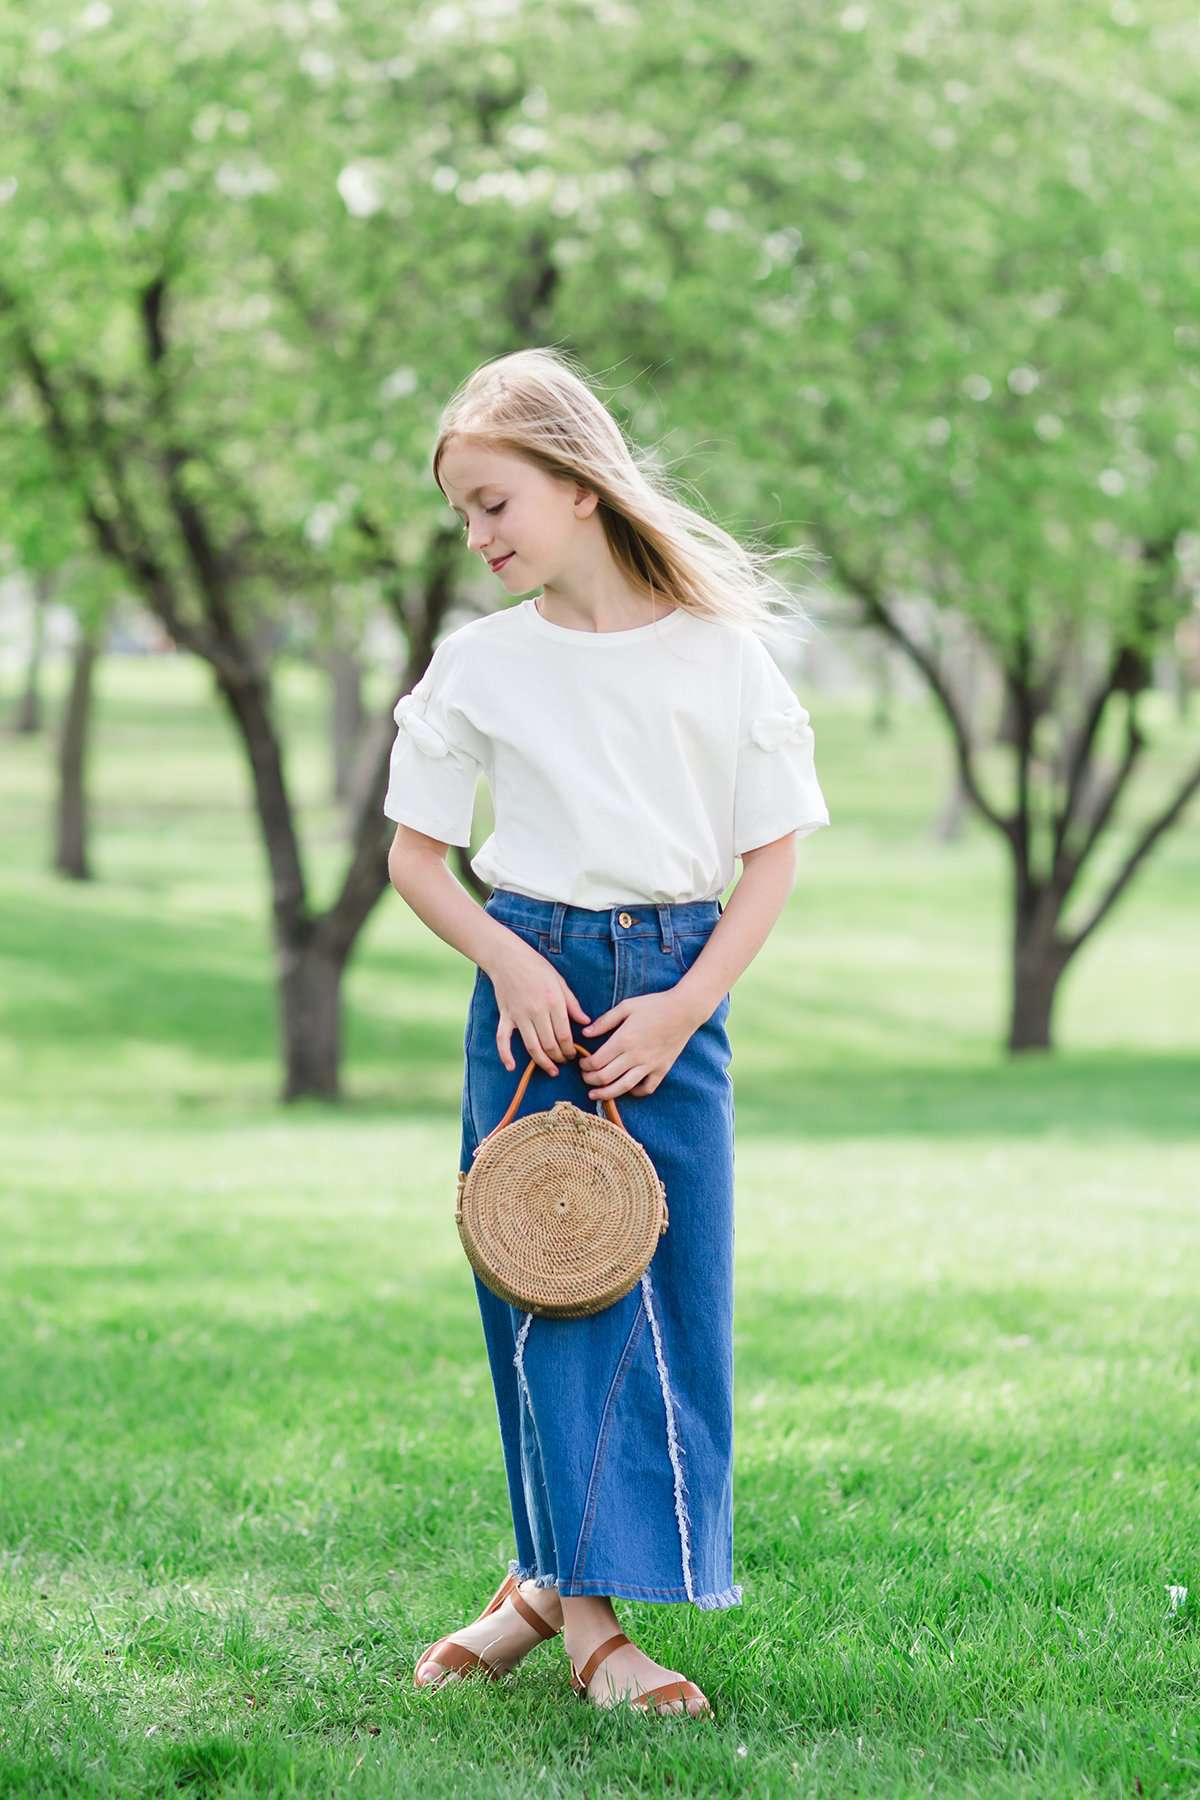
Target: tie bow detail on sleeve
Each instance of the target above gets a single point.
(789, 725)
(409, 718)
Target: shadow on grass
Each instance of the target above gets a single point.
(129, 976)
(134, 978)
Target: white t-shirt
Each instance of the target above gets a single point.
(624, 766)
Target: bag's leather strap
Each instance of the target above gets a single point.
(610, 1106)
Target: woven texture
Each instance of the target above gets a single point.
(560, 1211)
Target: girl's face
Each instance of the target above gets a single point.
(521, 521)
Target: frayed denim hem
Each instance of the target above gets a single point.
(621, 1590)
(730, 1596)
(514, 1568)
(597, 1585)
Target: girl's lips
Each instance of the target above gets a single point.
(499, 564)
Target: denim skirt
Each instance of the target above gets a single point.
(617, 1429)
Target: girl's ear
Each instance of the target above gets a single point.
(585, 502)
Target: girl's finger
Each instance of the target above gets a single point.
(550, 1038)
(537, 1049)
(564, 1035)
(607, 1019)
(573, 1007)
(622, 1085)
(602, 1086)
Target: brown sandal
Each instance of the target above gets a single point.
(651, 1700)
(457, 1656)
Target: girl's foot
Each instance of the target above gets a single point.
(502, 1637)
(625, 1672)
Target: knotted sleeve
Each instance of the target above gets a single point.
(438, 755)
(776, 788)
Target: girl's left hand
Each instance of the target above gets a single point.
(652, 1029)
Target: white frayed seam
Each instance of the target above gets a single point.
(519, 1362)
(674, 1448)
(527, 1399)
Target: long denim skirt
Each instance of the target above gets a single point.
(617, 1429)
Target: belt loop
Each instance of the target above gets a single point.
(664, 926)
(556, 925)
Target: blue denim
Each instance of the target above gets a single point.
(617, 1429)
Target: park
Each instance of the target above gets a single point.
(920, 315)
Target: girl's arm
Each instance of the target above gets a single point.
(768, 875)
(533, 998)
(418, 872)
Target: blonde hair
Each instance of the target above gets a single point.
(540, 405)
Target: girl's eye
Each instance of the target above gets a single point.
(487, 509)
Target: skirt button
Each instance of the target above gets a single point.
(625, 918)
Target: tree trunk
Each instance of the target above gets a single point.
(70, 856)
(948, 826)
(310, 989)
(348, 718)
(311, 949)
(1037, 968)
(960, 674)
(28, 717)
(883, 690)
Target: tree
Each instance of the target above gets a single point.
(926, 288)
(970, 272)
(196, 458)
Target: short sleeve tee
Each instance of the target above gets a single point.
(624, 766)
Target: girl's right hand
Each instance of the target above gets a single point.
(533, 997)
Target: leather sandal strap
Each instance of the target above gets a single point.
(449, 1655)
(507, 1586)
(598, 1655)
(540, 1625)
(670, 1690)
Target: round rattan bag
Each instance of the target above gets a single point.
(560, 1211)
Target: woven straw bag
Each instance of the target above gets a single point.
(560, 1211)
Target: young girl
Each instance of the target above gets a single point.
(637, 737)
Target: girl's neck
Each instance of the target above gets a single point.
(619, 611)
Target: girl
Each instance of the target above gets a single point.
(637, 737)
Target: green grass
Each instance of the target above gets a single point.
(248, 1452)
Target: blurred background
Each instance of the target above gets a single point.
(915, 292)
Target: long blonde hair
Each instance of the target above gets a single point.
(540, 405)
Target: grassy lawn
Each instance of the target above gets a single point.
(249, 1462)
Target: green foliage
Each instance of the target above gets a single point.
(921, 280)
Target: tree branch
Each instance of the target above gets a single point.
(1018, 680)
(1069, 863)
(1122, 677)
(866, 589)
(1188, 787)
(201, 551)
(128, 547)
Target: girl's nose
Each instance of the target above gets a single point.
(477, 537)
